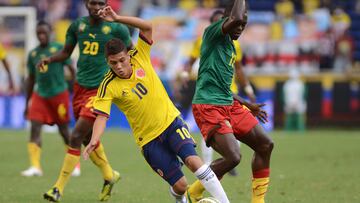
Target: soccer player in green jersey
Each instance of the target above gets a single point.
(90, 33)
(221, 119)
(49, 102)
(134, 87)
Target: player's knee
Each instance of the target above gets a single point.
(266, 147)
(75, 140)
(180, 186)
(234, 160)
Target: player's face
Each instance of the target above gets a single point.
(94, 6)
(235, 33)
(43, 34)
(120, 64)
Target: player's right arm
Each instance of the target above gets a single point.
(236, 18)
(98, 131)
(65, 53)
(145, 26)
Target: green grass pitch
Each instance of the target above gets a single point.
(321, 166)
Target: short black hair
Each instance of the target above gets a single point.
(215, 13)
(114, 46)
(43, 22)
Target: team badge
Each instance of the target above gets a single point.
(160, 172)
(33, 54)
(82, 27)
(106, 29)
(53, 50)
(140, 73)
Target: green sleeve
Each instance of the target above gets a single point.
(123, 33)
(71, 38)
(30, 65)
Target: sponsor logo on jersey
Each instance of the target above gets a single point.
(92, 35)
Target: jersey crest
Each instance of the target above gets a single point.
(140, 73)
(53, 50)
(82, 27)
(106, 29)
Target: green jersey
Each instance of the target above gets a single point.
(91, 65)
(216, 70)
(50, 81)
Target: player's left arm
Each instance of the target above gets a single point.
(243, 81)
(255, 109)
(237, 17)
(98, 131)
(145, 26)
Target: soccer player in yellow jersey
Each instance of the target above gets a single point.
(134, 87)
(7, 68)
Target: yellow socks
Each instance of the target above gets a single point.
(260, 184)
(34, 155)
(196, 190)
(98, 157)
(72, 157)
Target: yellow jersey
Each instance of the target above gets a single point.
(195, 53)
(142, 97)
(2, 52)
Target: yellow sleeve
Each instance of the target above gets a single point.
(142, 49)
(104, 96)
(195, 52)
(238, 50)
(2, 52)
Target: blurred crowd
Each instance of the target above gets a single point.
(311, 35)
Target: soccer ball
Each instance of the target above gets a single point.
(209, 200)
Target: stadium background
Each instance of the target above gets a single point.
(280, 36)
(318, 165)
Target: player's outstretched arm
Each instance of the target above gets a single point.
(98, 130)
(237, 17)
(145, 26)
(58, 57)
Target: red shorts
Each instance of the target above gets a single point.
(234, 119)
(83, 102)
(52, 110)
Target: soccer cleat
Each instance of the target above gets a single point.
(32, 171)
(53, 195)
(76, 172)
(233, 172)
(191, 198)
(107, 187)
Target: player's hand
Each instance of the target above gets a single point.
(257, 111)
(107, 14)
(42, 64)
(88, 149)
